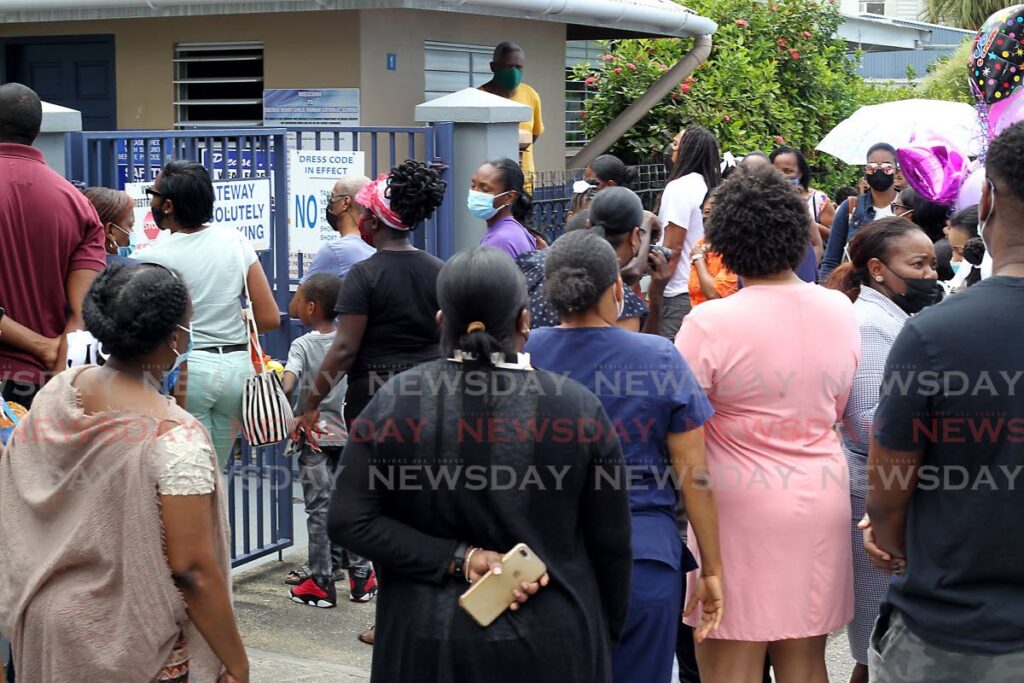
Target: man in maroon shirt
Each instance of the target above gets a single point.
(51, 244)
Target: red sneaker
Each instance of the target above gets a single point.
(316, 592)
(362, 585)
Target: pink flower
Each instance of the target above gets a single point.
(806, 34)
(685, 88)
(773, 8)
(781, 42)
(631, 66)
(726, 119)
(664, 68)
(583, 114)
(742, 22)
(794, 54)
(780, 140)
(617, 69)
(607, 58)
(590, 81)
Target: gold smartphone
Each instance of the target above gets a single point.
(489, 597)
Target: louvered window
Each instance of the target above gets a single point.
(218, 84)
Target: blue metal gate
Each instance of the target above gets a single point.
(261, 480)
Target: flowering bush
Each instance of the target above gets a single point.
(777, 72)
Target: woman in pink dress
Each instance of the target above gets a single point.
(777, 360)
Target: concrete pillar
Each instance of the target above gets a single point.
(486, 127)
(57, 121)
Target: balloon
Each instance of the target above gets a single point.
(970, 192)
(997, 58)
(1004, 114)
(935, 171)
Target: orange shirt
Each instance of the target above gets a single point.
(726, 282)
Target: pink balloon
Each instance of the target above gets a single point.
(970, 193)
(1002, 115)
(935, 171)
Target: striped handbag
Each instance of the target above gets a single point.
(266, 414)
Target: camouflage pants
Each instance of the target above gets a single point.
(896, 655)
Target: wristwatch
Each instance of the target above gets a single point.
(459, 558)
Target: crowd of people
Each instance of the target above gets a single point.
(728, 428)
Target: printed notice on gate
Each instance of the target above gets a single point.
(313, 174)
(244, 205)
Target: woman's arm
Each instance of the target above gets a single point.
(706, 280)
(189, 544)
(836, 242)
(686, 449)
(826, 217)
(268, 317)
(859, 414)
(815, 238)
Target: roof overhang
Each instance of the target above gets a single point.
(586, 18)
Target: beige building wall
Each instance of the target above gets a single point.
(327, 49)
(388, 97)
(326, 55)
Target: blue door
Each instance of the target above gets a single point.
(72, 71)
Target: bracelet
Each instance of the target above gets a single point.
(459, 558)
(465, 568)
(696, 257)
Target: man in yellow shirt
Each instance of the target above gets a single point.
(508, 65)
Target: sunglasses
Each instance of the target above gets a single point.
(886, 168)
(153, 192)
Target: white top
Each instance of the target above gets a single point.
(883, 212)
(680, 204)
(191, 464)
(213, 263)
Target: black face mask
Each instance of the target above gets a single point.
(880, 182)
(158, 216)
(920, 294)
(332, 220)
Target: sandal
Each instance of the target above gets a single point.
(367, 635)
(296, 577)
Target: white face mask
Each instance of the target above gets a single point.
(621, 303)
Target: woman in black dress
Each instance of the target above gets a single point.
(461, 459)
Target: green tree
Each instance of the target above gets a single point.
(777, 75)
(970, 14)
(947, 77)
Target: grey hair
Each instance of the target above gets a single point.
(350, 185)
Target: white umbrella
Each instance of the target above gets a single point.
(899, 122)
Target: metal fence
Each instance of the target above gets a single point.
(260, 480)
(552, 195)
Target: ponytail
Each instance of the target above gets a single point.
(871, 242)
(847, 280)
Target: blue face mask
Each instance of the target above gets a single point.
(132, 242)
(481, 204)
(794, 181)
(955, 265)
(181, 357)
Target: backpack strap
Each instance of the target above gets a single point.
(851, 204)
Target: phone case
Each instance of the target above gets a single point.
(489, 597)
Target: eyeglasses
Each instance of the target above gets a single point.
(886, 168)
(900, 209)
(337, 198)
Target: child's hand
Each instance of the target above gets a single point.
(308, 426)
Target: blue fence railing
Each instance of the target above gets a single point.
(260, 480)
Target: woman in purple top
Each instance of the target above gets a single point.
(497, 196)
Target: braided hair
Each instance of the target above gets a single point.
(872, 242)
(415, 191)
(133, 309)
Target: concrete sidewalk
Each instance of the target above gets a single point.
(291, 643)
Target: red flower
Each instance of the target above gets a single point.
(685, 88)
(617, 69)
(631, 66)
(590, 81)
(607, 58)
(583, 114)
(726, 119)
(780, 140)
(742, 22)
(782, 42)
(773, 8)
(794, 54)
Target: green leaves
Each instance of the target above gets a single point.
(776, 69)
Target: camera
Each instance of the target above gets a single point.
(664, 251)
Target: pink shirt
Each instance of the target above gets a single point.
(47, 229)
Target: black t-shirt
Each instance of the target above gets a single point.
(397, 292)
(954, 387)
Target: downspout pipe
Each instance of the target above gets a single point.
(632, 115)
